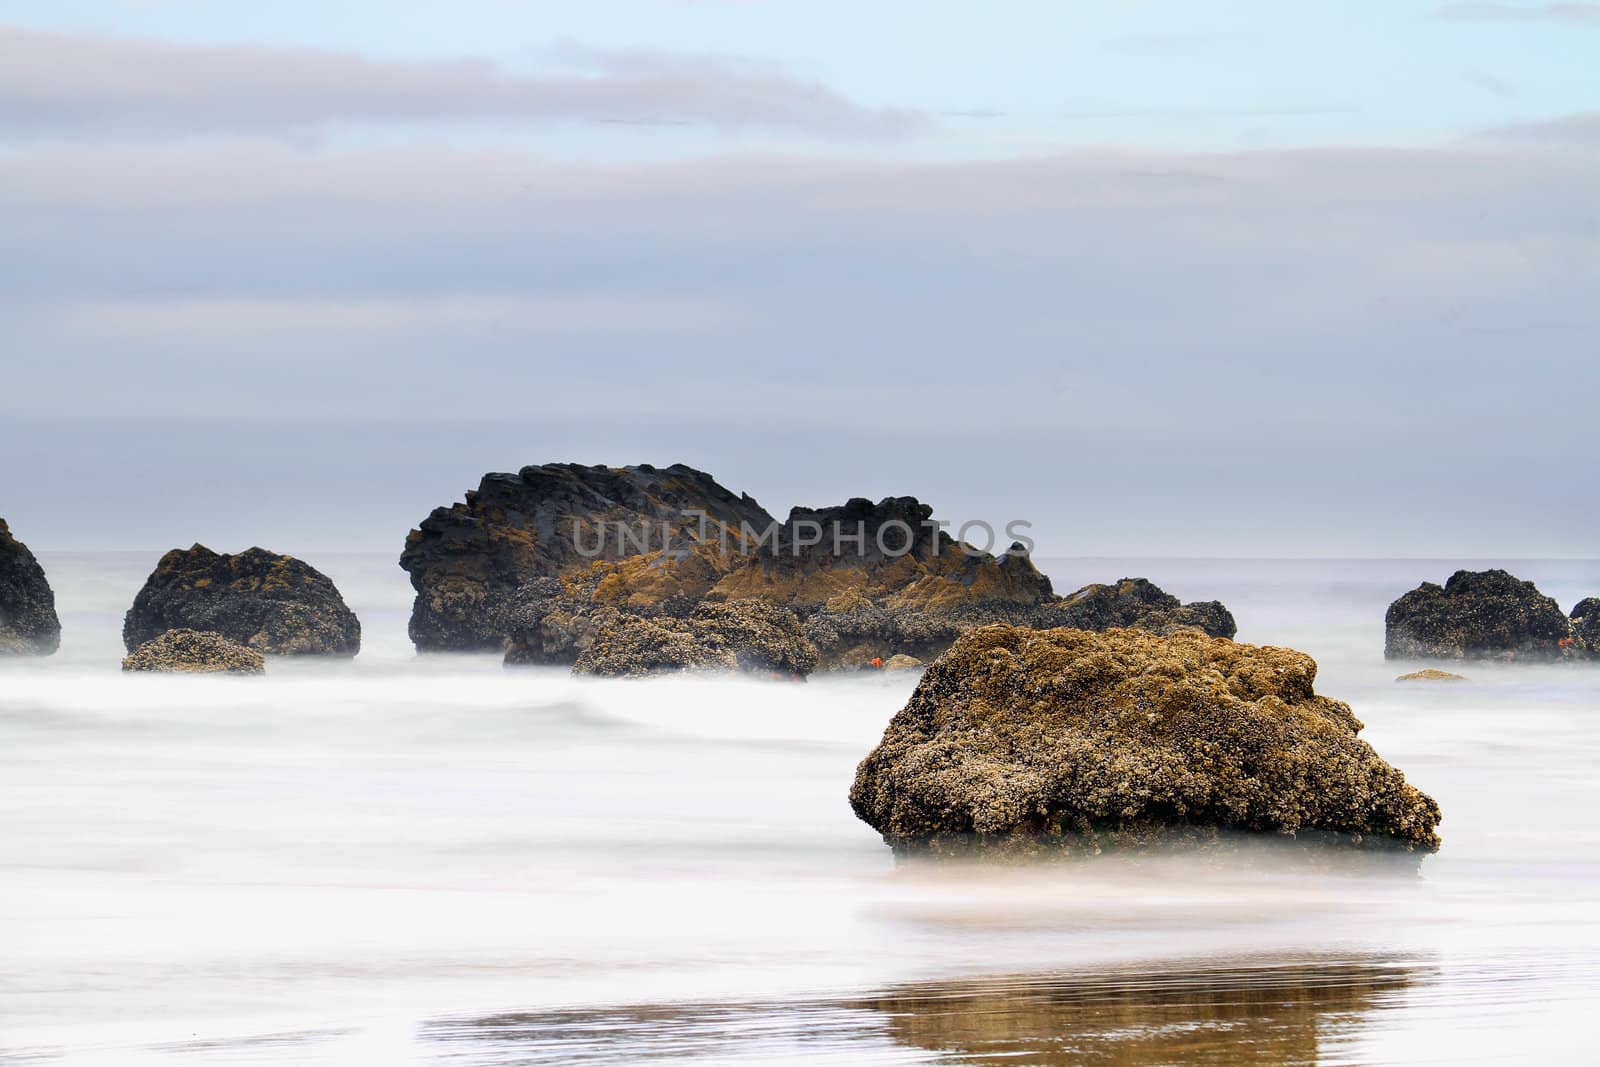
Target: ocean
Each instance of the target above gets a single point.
(435, 860)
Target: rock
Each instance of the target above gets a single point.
(748, 635)
(1019, 738)
(194, 651)
(889, 554)
(1138, 603)
(271, 603)
(28, 622)
(469, 562)
(1585, 621)
(521, 565)
(1430, 675)
(1476, 615)
(903, 663)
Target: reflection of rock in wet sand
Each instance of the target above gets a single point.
(1267, 1015)
(1273, 1014)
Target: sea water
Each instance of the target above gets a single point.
(403, 859)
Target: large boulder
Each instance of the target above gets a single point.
(753, 636)
(642, 525)
(194, 652)
(1067, 738)
(1476, 615)
(28, 622)
(271, 603)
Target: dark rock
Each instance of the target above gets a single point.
(1476, 615)
(1138, 603)
(271, 603)
(748, 635)
(28, 622)
(1019, 738)
(1586, 626)
(469, 561)
(194, 651)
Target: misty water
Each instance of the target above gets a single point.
(436, 860)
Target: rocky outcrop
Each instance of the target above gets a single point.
(28, 622)
(1021, 738)
(194, 652)
(271, 603)
(1476, 615)
(542, 561)
(753, 636)
(626, 527)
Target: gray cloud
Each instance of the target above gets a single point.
(1576, 14)
(1337, 350)
(1577, 131)
(55, 85)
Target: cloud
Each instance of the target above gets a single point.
(1491, 83)
(1574, 131)
(1340, 349)
(1572, 14)
(63, 86)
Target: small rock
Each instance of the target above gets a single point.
(903, 663)
(194, 651)
(1430, 675)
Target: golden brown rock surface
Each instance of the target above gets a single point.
(1029, 737)
(194, 651)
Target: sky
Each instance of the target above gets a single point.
(1161, 278)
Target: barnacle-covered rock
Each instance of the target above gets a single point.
(195, 652)
(747, 635)
(271, 603)
(1430, 675)
(1019, 737)
(1476, 615)
(28, 622)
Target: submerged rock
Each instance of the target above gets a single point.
(748, 635)
(1476, 615)
(194, 651)
(1066, 738)
(469, 563)
(271, 603)
(28, 622)
(1430, 675)
(903, 663)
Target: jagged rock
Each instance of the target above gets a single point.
(903, 663)
(1476, 615)
(1585, 620)
(271, 603)
(28, 622)
(748, 635)
(1430, 675)
(468, 562)
(194, 651)
(1019, 738)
